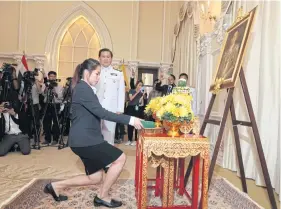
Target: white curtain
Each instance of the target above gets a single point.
(185, 58)
(262, 69)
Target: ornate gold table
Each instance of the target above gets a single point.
(162, 151)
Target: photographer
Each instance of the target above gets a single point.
(8, 82)
(30, 90)
(11, 128)
(53, 95)
(11, 132)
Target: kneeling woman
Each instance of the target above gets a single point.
(86, 140)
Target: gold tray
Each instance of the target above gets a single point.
(153, 130)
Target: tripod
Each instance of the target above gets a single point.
(6, 89)
(49, 102)
(29, 102)
(66, 113)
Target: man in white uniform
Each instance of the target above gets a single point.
(110, 92)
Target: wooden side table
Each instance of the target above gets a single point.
(163, 150)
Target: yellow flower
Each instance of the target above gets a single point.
(176, 112)
(183, 112)
(178, 105)
(153, 105)
(170, 107)
(160, 112)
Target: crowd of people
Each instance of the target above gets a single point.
(137, 99)
(24, 106)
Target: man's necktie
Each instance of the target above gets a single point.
(169, 89)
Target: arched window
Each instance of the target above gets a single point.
(79, 42)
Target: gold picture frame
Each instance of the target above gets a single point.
(232, 53)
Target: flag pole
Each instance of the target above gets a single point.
(124, 72)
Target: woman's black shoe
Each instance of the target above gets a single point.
(50, 190)
(113, 203)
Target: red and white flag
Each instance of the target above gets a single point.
(22, 67)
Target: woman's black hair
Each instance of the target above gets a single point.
(137, 83)
(89, 65)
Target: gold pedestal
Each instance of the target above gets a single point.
(173, 128)
(158, 123)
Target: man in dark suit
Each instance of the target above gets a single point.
(166, 89)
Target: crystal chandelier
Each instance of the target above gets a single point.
(205, 12)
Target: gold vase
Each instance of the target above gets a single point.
(172, 128)
(192, 126)
(158, 123)
(186, 127)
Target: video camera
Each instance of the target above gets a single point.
(29, 76)
(68, 81)
(52, 83)
(7, 70)
(8, 105)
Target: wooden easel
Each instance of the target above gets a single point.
(230, 106)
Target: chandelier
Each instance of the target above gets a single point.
(205, 12)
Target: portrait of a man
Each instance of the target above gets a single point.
(231, 52)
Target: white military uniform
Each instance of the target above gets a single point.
(111, 95)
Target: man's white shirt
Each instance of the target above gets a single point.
(111, 89)
(10, 126)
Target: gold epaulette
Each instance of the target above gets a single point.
(117, 68)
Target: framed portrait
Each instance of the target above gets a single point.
(232, 53)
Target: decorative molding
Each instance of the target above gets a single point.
(218, 34)
(114, 62)
(59, 27)
(40, 62)
(164, 71)
(17, 55)
(204, 47)
(219, 30)
(133, 68)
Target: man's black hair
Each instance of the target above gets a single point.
(184, 74)
(52, 72)
(105, 50)
(173, 76)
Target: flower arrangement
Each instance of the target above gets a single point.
(175, 108)
(153, 106)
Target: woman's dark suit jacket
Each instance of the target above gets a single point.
(86, 115)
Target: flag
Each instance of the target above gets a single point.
(123, 69)
(22, 67)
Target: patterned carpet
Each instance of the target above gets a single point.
(222, 195)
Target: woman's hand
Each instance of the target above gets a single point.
(2, 108)
(12, 112)
(138, 90)
(138, 124)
